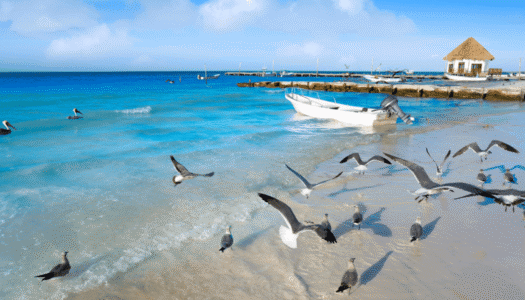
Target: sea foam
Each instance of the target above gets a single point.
(139, 110)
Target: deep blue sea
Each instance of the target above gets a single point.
(100, 187)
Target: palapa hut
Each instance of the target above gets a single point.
(469, 58)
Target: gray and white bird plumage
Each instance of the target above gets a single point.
(357, 217)
(227, 239)
(75, 117)
(184, 173)
(429, 187)
(483, 154)
(439, 168)
(289, 234)
(482, 177)
(309, 186)
(416, 231)
(508, 177)
(61, 269)
(349, 278)
(362, 165)
(8, 130)
(505, 197)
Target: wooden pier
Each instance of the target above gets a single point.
(338, 75)
(406, 90)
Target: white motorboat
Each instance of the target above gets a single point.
(284, 73)
(465, 78)
(351, 115)
(375, 78)
(208, 77)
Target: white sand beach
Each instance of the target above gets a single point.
(471, 248)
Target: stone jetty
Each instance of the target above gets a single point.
(406, 90)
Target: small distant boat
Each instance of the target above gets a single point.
(284, 73)
(352, 115)
(375, 78)
(409, 71)
(206, 77)
(464, 78)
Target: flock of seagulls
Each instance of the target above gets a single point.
(289, 233)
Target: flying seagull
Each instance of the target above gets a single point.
(349, 278)
(8, 130)
(439, 168)
(482, 177)
(505, 197)
(59, 270)
(309, 186)
(289, 234)
(484, 153)
(429, 187)
(361, 166)
(358, 217)
(184, 173)
(508, 177)
(227, 239)
(75, 117)
(416, 230)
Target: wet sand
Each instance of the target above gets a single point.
(471, 248)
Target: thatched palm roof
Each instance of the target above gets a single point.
(469, 49)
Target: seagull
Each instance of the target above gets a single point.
(309, 186)
(289, 234)
(361, 166)
(429, 187)
(505, 197)
(8, 130)
(439, 168)
(59, 270)
(482, 177)
(184, 173)
(349, 278)
(508, 177)
(75, 117)
(358, 217)
(416, 230)
(227, 239)
(484, 153)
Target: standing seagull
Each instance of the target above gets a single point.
(483, 154)
(429, 187)
(59, 270)
(505, 197)
(416, 230)
(227, 239)
(75, 117)
(358, 217)
(361, 166)
(289, 234)
(349, 278)
(184, 173)
(508, 177)
(309, 186)
(482, 177)
(439, 168)
(8, 130)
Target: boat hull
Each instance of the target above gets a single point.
(464, 78)
(381, 79)
(350, 115)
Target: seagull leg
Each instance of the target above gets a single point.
(505, 208)
(512, 208)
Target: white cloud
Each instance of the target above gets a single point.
(98, 42)
(310, 49)
(34, 17)
(225, 15)
(166, 14)
(351, 6)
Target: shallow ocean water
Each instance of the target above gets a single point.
(100, 188)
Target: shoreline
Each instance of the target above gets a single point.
(260, 265)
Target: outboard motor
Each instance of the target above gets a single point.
(390, 105)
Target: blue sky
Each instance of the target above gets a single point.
(176, 35)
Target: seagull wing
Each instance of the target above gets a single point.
(444, 159)
(306, 183)
(206, 175)
(379, 159)
(420, 174)
(182, 170)
(433, 160)
(319, 183)
(354, 156)
(502, 145)
(323, 232)
(285, 211)
(474, 146)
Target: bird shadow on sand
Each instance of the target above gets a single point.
(427, 229)
(80, 269)
(345, 190)
(370, 273)
(370, 222)
(247, 241)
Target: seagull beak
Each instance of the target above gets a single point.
(9, 124)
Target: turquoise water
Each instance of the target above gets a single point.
(101, 187)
